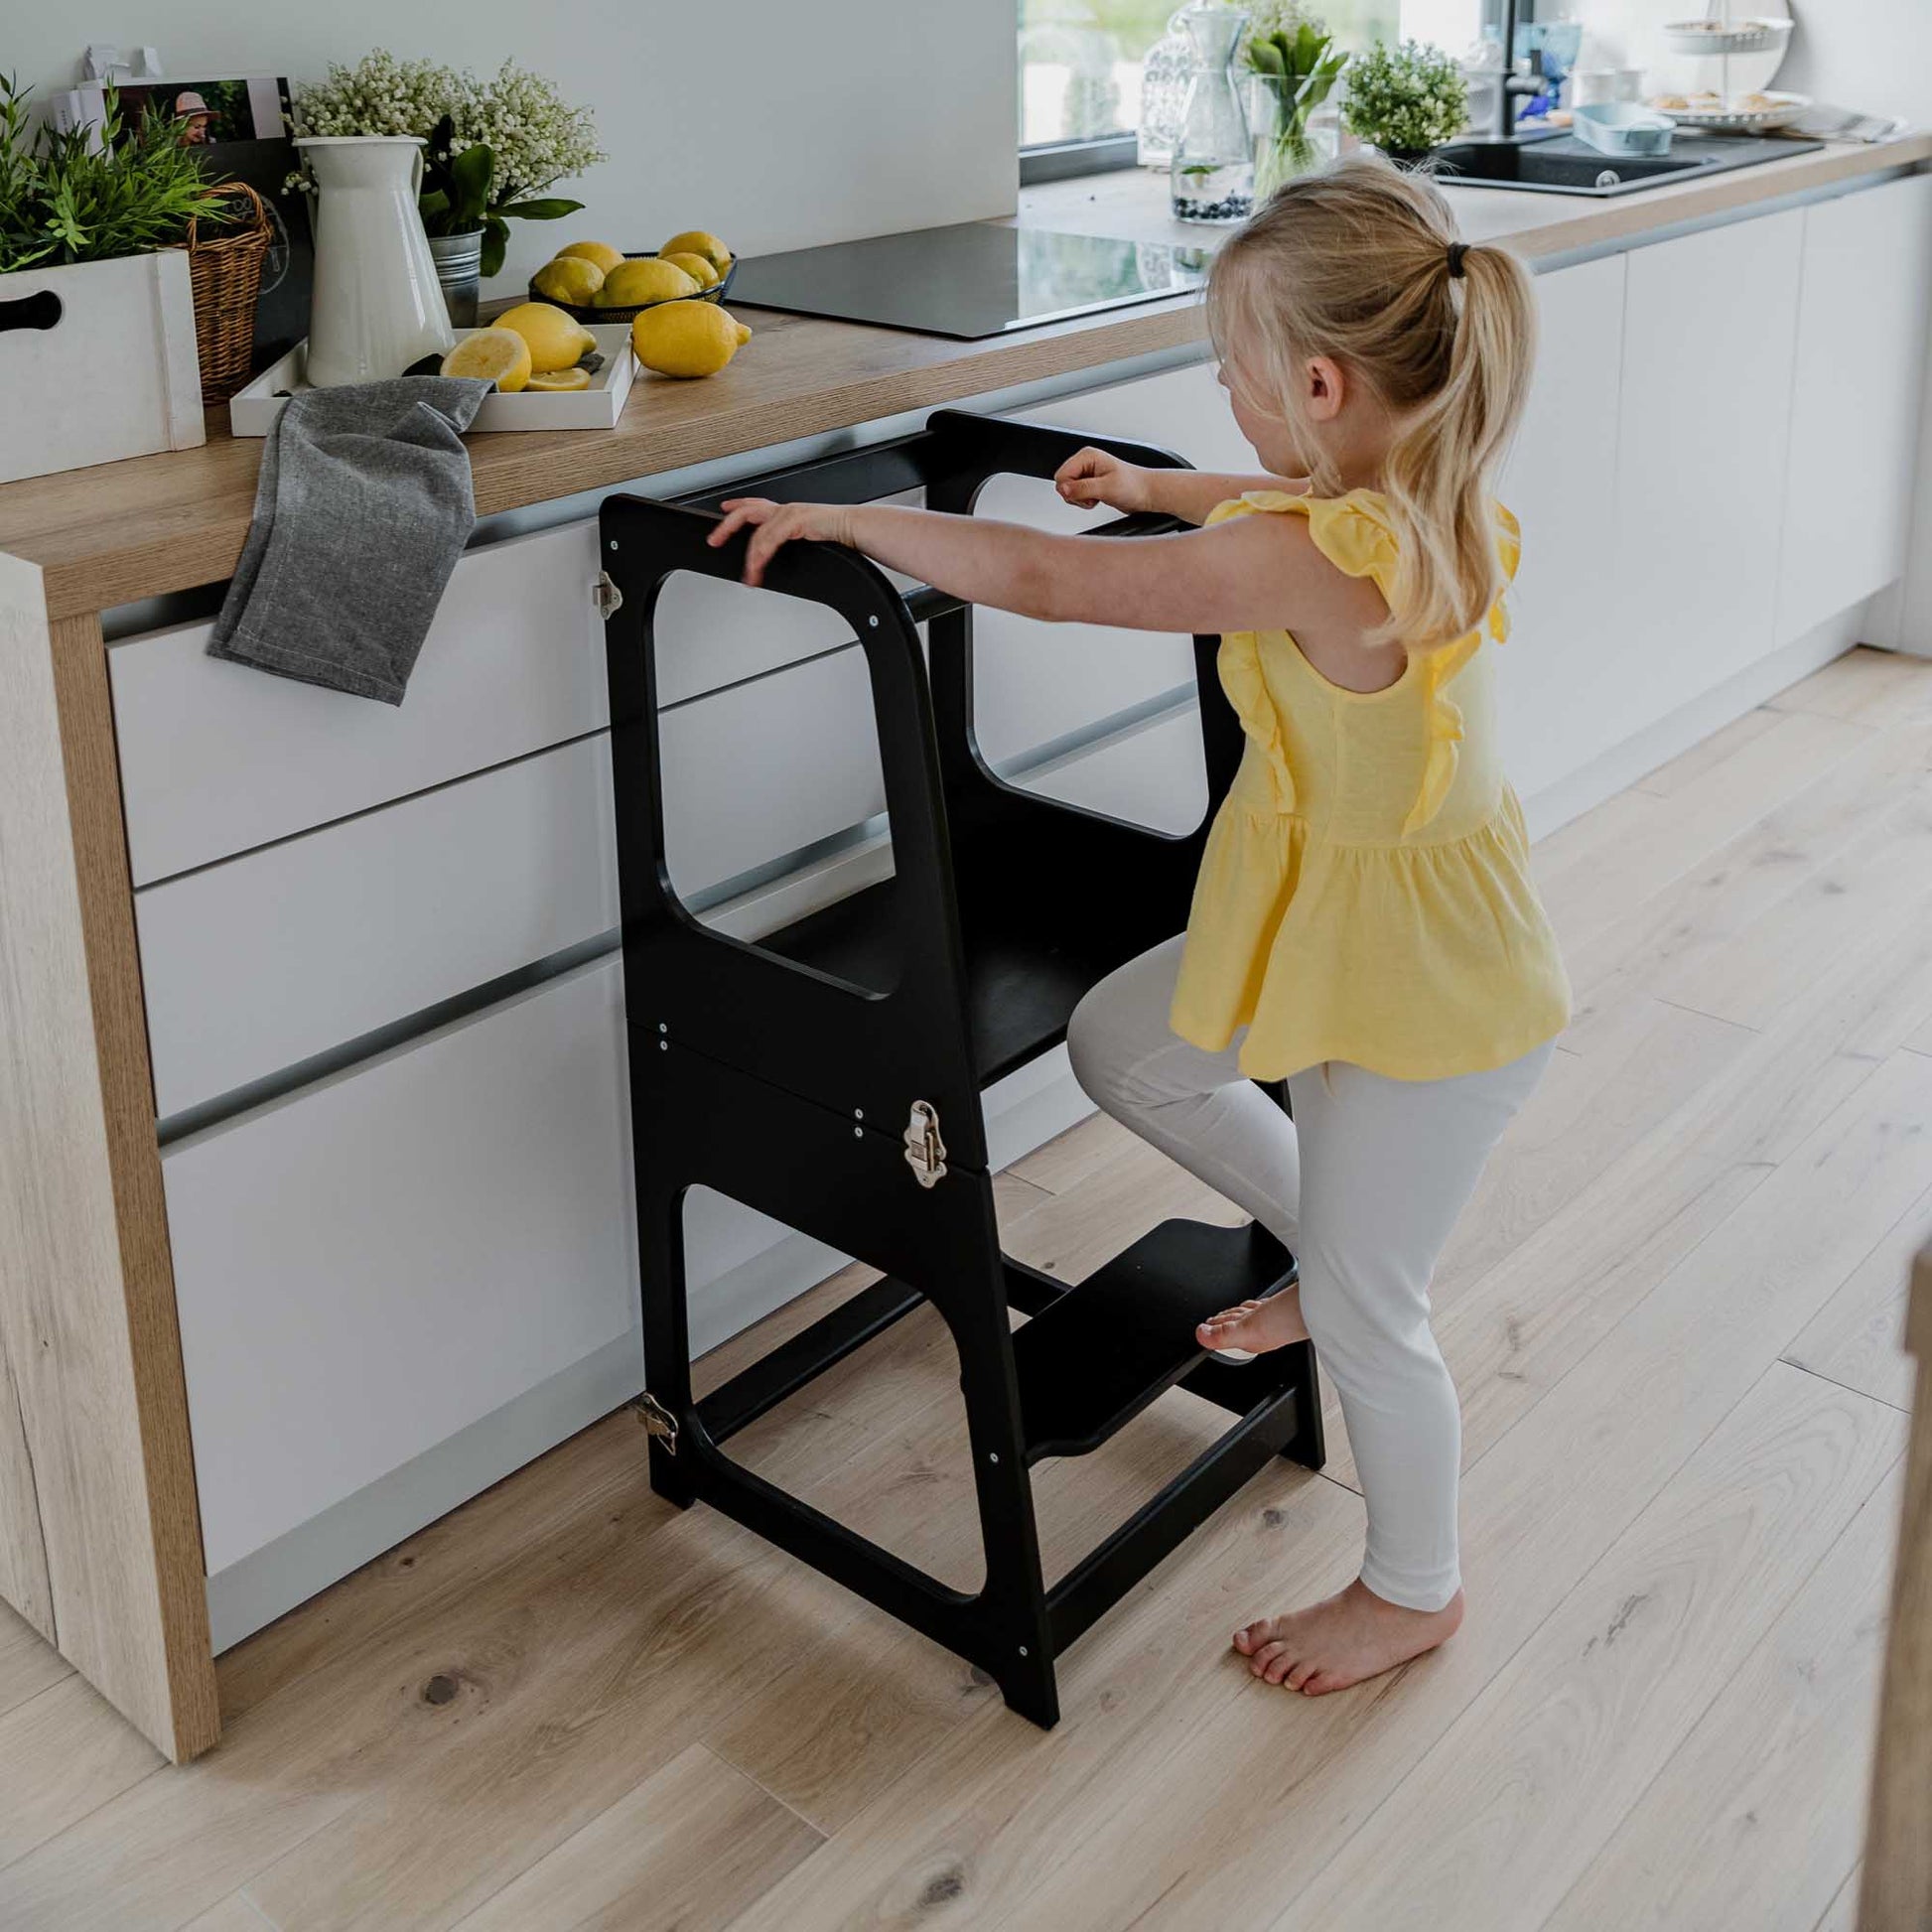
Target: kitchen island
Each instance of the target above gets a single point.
(313, 1190)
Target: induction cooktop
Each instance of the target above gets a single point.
(969, 281)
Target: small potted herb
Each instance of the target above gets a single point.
(97, 356)
(493, 150)
(1404, 99)
(1294, 65)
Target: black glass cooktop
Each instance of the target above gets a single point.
(969, 281)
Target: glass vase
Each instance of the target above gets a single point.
(1285, 143)
(1212, 175)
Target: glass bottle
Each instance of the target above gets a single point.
(1212, 178)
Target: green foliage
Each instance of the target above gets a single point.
(1405, 98)
(491, 145)
(86, 198)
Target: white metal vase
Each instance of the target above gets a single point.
(377, 304)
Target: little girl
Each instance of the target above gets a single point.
(1364, 925)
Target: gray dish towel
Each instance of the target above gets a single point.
(362, 511)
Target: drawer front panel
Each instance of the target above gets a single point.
(259, 963)
(367, 1268)
(1037, 683)
(253, 966)
(217, 757)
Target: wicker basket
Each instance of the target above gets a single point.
(226, 277)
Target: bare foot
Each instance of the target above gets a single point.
(1240, 1335)
(1343, 1639)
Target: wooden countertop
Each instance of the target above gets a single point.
(122, 531)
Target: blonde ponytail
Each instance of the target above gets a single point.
(1362, 263)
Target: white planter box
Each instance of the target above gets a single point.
(113, 377)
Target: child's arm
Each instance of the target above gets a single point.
(1250, 574)
(1095, 477)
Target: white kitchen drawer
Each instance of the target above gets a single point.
(1863, 318)
(1035, 683)
(220, 757)
(255, 964)
(216, 757)
(365, 1269)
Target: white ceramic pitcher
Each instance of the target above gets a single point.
(377, 304)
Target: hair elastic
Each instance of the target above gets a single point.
(1456, 250)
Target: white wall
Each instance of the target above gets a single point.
(776, 123)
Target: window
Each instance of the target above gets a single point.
(1080, 74)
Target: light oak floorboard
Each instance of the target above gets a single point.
(1697, 915)
(1842, 1914)
(62, 1754)
(1533, 1782)
(235, 1913)
(1864, 686)
(28, 1662)
(1856, 1338)
(1772, 1773)
(685, 1851)
(1588, 884)
(1688, 766)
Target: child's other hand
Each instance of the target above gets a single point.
(1093, 476)
(773, 525)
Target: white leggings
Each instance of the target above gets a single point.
(1364, 1185)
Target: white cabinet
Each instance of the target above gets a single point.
(367, 1268)
(1710, 331)
(1863, 326)
(1559, 677)
(1039, 683)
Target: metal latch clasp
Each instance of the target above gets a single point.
(606, 596)
(926, 1152)
(658, 1420)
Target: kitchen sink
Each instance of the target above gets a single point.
(1560, 163)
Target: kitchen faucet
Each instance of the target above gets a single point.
(1510, 82)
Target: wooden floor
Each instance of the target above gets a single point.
(1674, 1315)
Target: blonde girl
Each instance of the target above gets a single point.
(1364, 925)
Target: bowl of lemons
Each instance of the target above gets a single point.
(593, 282)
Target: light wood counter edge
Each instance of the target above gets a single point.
(119, 533)
(1896, 1889)
(101, 1545)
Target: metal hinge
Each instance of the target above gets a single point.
(606, 596)
(926, 1152)
(658, 1420)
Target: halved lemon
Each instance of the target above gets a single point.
(562, 379)
(497, 355)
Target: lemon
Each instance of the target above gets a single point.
(598, 252)
(697, 267)
(570, 379)
(556, 339)
(497, 355)
(686, 337)
(571, 279)
(648, 280)
(694, 241)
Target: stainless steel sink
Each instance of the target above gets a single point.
(1560, 163)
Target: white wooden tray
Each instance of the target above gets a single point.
(252, 410)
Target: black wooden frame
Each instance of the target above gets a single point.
(781, 1075)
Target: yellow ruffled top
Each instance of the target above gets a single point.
(1365, 891)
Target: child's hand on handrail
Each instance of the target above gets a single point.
(773, 525)
(1090, 477)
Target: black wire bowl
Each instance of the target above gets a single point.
(589, 314)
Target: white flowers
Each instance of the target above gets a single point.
(537, 139)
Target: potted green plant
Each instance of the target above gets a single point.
(492, 151)
(98, 356)
(1294, 66)
(1404, 99)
